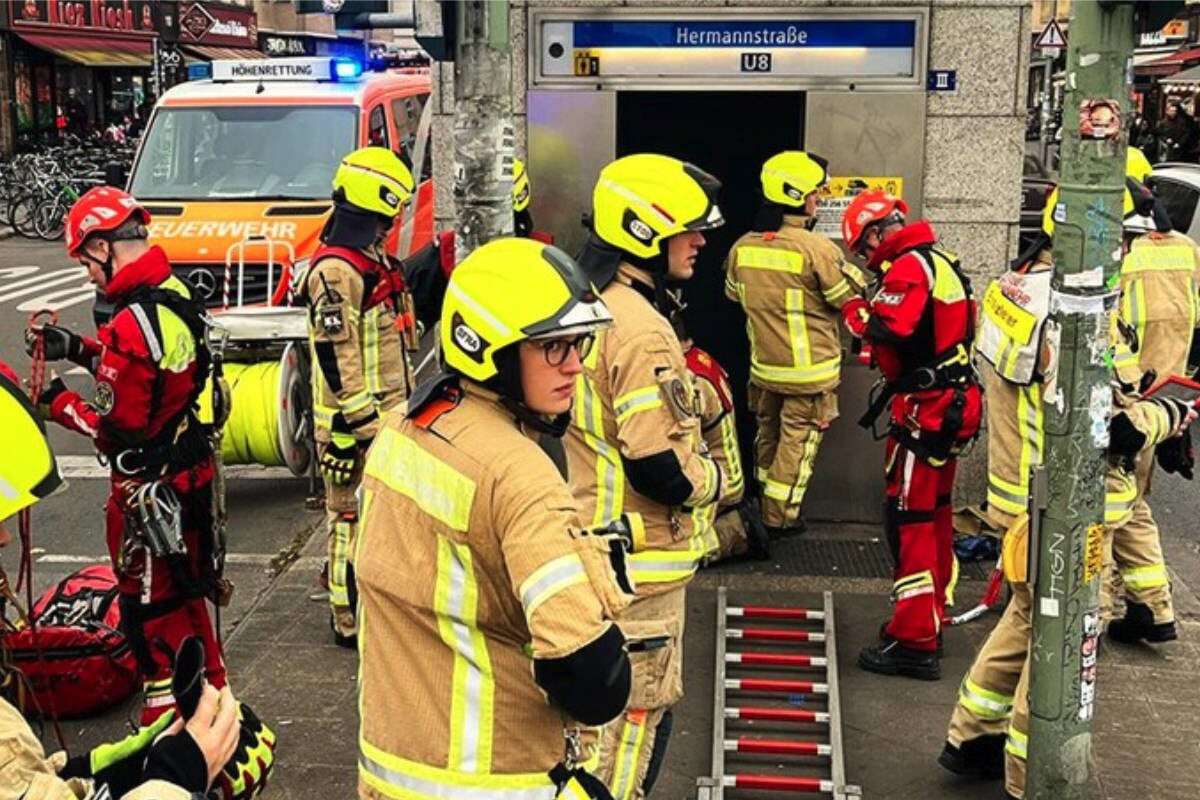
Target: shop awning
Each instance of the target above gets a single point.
(208, 53)
(1190, 76)
(1169, 65)
(95, 51)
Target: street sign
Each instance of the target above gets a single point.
(942, 80)
(1051, 36)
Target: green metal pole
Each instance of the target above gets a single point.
(1087, 257)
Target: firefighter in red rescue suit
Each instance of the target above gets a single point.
(150, 362)
(919, 324)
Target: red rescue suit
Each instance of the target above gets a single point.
(921, 323)
(134, 417)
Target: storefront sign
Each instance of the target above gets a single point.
(213, 24)
(276, 45)
(116, 16)
(817, 47)
(838, 193)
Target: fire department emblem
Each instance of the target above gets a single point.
(331, 319)
(104, 399)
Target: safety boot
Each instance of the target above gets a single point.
(890, 657)
(1138, 624)
(775, 533)
(757, 538)
(345, 628)
(981, 757)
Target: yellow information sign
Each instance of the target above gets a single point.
(840, 190)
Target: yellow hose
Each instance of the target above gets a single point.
(251, 435)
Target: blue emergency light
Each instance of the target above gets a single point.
(346, 69)
(199, 71)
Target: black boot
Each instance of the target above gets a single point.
(350, 642)
(890, 657)
(1138, 624)
(981, 757)
(757, 538)
(786, 532)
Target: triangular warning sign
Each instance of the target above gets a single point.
(1051, 36)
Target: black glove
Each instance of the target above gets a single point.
(179, 760)
(119, 765)
(51, 393)
(58, 344)
(1175, 455)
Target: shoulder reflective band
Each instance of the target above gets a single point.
(770, 258)
(1172, 258)
(438, 489)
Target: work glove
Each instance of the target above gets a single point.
(119, 765)
(338, 458)
(856, 312)
(245, 774)
(50, 393)
(1175, 455)
(58, 344)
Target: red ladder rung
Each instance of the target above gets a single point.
(782, 747)
(773, 635)
(774, 660)
(777, 686)
(763, 714)
(778, 783)
(773, 612)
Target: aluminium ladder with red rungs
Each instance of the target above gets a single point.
(810, 652)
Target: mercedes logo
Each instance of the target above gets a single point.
(204, 281)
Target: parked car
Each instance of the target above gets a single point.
(1036, 186)
(1177, 185)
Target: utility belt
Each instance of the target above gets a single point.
(176, 454)
(950, 368)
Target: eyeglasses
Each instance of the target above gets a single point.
(556, 351)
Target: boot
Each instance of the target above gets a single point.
(345, 628)
(1138, 624)
(981, 757)
(757, 538)
(774, 533)
(890, 657)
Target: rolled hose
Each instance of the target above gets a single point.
(267, 423)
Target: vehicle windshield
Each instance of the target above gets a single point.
(243, 152)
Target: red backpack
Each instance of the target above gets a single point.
(86, 663)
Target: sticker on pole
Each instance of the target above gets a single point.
(1093, 552)
(837, 194)
(1099, 119)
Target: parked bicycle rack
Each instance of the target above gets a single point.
(810, 704)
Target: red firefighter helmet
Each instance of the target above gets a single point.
(102, 208)
(867, 209)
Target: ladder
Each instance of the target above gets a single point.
(800, 642)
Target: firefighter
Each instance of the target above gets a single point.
(737, 531)
(1018, 345)
(920, 324)
(358, 325)
(635, 450)
(481, 595)
(142, 766)
(1135, 428)
(1160, 277)
(792, 283)
(150, 364)
(1017, 348)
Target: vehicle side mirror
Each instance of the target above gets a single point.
(115, 174)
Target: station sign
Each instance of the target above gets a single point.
(811, 47)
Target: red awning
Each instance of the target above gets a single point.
(96, 51)
(1170, 64)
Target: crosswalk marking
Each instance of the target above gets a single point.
(37, 288)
